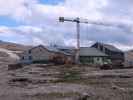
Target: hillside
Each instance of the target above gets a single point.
(9, 52)
(13, 46)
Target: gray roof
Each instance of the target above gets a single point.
(110, 47)
(51, 49)
(65, 48)
(89, 51)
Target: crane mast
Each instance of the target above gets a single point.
(77, 21)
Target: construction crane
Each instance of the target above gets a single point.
(79, 20)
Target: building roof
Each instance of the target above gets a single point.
(89, 51)
(53, 49)
(50, 49)
(110, 47)
(67, 49)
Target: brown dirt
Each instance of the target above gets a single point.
(68, 82)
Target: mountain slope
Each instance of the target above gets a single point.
(13, 46)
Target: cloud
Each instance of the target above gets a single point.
(41, 25)
(16, 9)
(31, 35)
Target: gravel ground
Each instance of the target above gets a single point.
(41, 82)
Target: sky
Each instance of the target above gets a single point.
(34, 22)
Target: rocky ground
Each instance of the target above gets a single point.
(68, 82)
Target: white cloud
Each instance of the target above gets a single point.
(41, 21)
(32, 35)
(17, 9)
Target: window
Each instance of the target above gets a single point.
(90, 60)
(86, 60)
(23, 58)
(101, 48)
(98, 58)
(30, 57)
(107, 51)
(29, 51)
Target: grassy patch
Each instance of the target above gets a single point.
(69, 76)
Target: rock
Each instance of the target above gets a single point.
(106, 67)
(85, 96)
(20, 80)
(14, 66)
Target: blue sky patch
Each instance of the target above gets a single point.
(52, 2)
(6, 21)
